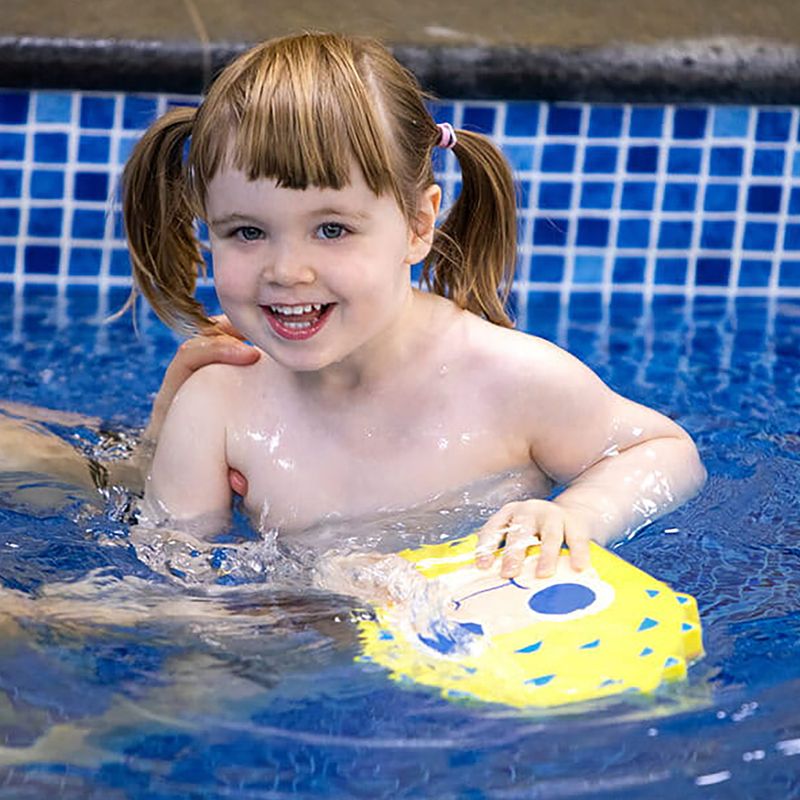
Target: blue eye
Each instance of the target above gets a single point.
(248, 233)
(331, 230)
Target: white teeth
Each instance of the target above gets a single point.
(289, 310)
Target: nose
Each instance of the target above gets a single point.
(289, 264)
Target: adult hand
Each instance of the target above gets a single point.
(529, 522)
(224, 346)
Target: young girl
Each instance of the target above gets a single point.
(310, 163)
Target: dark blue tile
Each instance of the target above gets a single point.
(138, 112)
(97, 112)
(597, 195)
(628, 269)
(754, 272)
(45, 221)
(42, 259)
(759, 235)
(119, 226)
(555, 195)
(721, 197)
(10, 182)
(773, 126)
(717, 234)
(88, 224)
(441, 112)
(12, 146)
(50, 148)
(675, 234)
(600, 159)
(520, 156)
(791, 237)
(789, 275)
(605, 121)
(647, 122)
(8, 257)
(91, 186)
(547, 268)
(794, 201)
(9, 222)
(684, 161)
(592, 232)
(120, 263)
(680, 197)
(588, 269)
(726, 162)
(638, 196)
(642, 159)
(558, 158)
(764, 199)
(712, 272)
(94, 149)
(563, 120)
(689, 123)
(768, 162)
(550, 231)
(478, 118)
(14, 108)
(671, 271)
(523, 194)
(84, 261)
(633, 233)
(47, 184)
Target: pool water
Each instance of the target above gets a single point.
(252, 691)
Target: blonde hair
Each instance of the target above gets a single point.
(298, 110)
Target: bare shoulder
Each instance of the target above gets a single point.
(517, 358)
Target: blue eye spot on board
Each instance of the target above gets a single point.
(562, 598)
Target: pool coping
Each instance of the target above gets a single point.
(721, 70)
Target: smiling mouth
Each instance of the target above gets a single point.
(297, 321)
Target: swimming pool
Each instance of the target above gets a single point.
(268, 702)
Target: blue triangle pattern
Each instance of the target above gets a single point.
(647, 623)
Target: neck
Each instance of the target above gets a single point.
(380, 363)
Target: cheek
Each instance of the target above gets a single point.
(230, 281)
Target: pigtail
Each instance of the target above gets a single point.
(474, 252)
(159, 222)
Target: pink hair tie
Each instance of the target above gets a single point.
(447, 140)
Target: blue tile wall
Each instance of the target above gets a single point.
(650, 200)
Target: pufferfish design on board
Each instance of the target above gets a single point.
(537, 642)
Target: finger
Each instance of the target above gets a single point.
(238, 482)
(517, 544)
(552, 533)
(224, 325)
(491, 535)
(579, 556)
(203, 350)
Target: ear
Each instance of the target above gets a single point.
(423, 226)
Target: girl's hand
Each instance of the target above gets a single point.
(224, 347)
(525, 523)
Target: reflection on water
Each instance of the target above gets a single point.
(120, 679)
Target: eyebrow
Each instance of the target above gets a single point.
(317, 212)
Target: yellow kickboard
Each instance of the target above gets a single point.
(533, 642)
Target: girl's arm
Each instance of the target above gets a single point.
(622, 465)
(188, 481)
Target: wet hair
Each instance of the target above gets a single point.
(299, 110)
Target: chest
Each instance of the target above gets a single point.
(303, 467)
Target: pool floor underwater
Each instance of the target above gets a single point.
(265, 700)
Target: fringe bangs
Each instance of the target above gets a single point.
(299, 114)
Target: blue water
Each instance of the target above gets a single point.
(266, 700)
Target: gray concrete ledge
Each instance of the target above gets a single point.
(725, 70)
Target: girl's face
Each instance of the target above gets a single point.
(313, 277)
